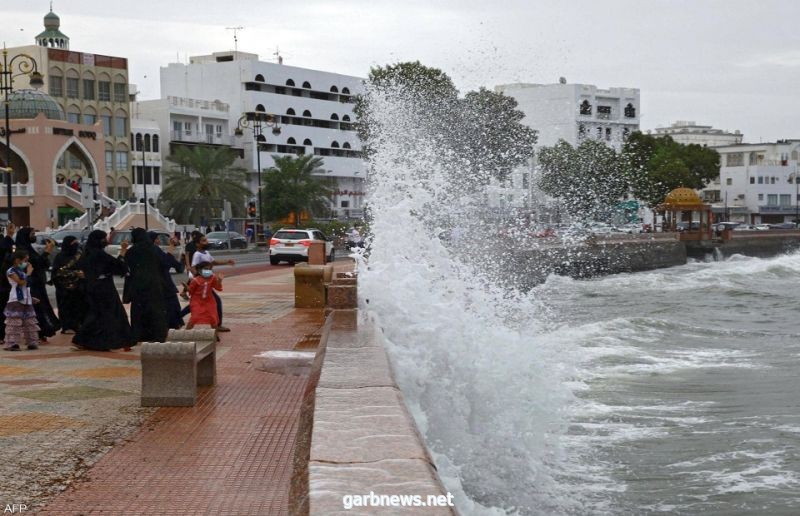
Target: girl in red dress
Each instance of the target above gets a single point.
(202, 305)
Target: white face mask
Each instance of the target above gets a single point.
(206, 273)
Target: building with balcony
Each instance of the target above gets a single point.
(203, 101)
(50, 158)
(759, 183)
(146, 159)
(688, 132)
(90, 89)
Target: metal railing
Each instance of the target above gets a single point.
(207, 105)
(200, 137)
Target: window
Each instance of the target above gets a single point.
(346, 91)
(625, 133)
(307, 142)
(608, 134)
(307, 113)
(752, 180)
(137, 146)
(56, 86)
(103, 90)
(728, 181)
(88, 89)
(307, 85)
(289, 82)
(290, 112)
(106, 119)
(345, 204)
(346, 118)
(786, 200)
(219, 131)
(123, 192)
(74, 162)
(187, 128)
(585, 108)
(772, 199)
(630, 111)
(156, 175)
(291, 141)
(122, 160)
(761, 180)
(147, 143)
(120, 126)
(603, 111)
(73, 118)
(155, 143)
(259, 78)
(89, 119)
(72, 87)
(581, 131)
(772, 180)
(734, 159)
(334, 89)
(599, 132)
(120, 92)
(109, 160)
(761, 197)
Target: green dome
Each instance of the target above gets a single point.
(51, 21)
(27, 104)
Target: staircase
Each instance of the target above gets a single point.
(125, 216)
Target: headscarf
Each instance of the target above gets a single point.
(23, 240)
(95, 240)
(152, 235)
(67, 248)
(139, 236)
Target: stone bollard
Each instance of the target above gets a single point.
(309, 287)
(343, 294)
(207, 368)
(316, 253)
(169, 375)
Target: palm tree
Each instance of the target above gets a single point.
(203, 178)
(291, 187)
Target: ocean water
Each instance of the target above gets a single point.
(675, 391)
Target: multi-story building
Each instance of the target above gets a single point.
(146, 159)
(203, 101)
(760, 183)
(91, 89)
(569, 112)
(688, 132)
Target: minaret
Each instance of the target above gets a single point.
(52, 37)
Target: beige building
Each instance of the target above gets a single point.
(91, 89)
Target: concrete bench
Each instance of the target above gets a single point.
(172, 370)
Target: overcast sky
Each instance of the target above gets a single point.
(733, 64)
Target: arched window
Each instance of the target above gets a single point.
(335, 144)
(346, 91)
(155, 143)
(585, 108)
(147, 143)
(260, 78)
(307, 113)
(334, 89)
(346, 145)
(630, 111)
(138, 140)
(334, 117)
(291, 141)
(290, 112)
(346, 118)
(290, 82)
(261, 109)
(307, 142)
(307, 85)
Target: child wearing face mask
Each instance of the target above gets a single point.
(21, 325)
(202, 304)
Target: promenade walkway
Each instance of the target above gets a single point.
(230, 454)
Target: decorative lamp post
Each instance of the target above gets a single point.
(257, 120)
(20, 64)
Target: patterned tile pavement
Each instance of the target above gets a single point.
(230, 454)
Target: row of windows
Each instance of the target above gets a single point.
(150, 144)
(307, 142)
(92, 90)
(299, 92)
(318, 151)
(306, 85)
(766, 180)
(120, 163)
(605, 111)
(150, 175)
(306, 113)
(736, 159)
(602, 132)
(772, 199)
(112, 125)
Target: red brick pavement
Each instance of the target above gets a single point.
(230, 454)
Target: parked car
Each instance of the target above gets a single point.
(761, 227)
(783, 225)
(59, 236)
(117, 237)
(225, 239)
(291, 245)
(41, 240)
(722, 226)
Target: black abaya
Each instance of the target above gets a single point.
(70, 290)
(37, 282)
(145, 288)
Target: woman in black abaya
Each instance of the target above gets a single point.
(70, 286)
(106, 324)
(37, 281)
(144, 289)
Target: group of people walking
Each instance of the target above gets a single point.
(87, 298)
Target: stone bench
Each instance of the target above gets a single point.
(172, 370)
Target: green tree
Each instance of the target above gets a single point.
(481, 131)
(199, 182)
(292, 187)
(658, 165)
(589, 179)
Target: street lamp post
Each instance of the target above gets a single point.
(25, 65)
(140, 141)
(257, 120)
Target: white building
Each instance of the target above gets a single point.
(760, 183)
(146, 152)
(569, 112)
(203, 101)
(688, 132)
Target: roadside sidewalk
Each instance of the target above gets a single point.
(230, 454)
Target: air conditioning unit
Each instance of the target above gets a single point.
(740, 196)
